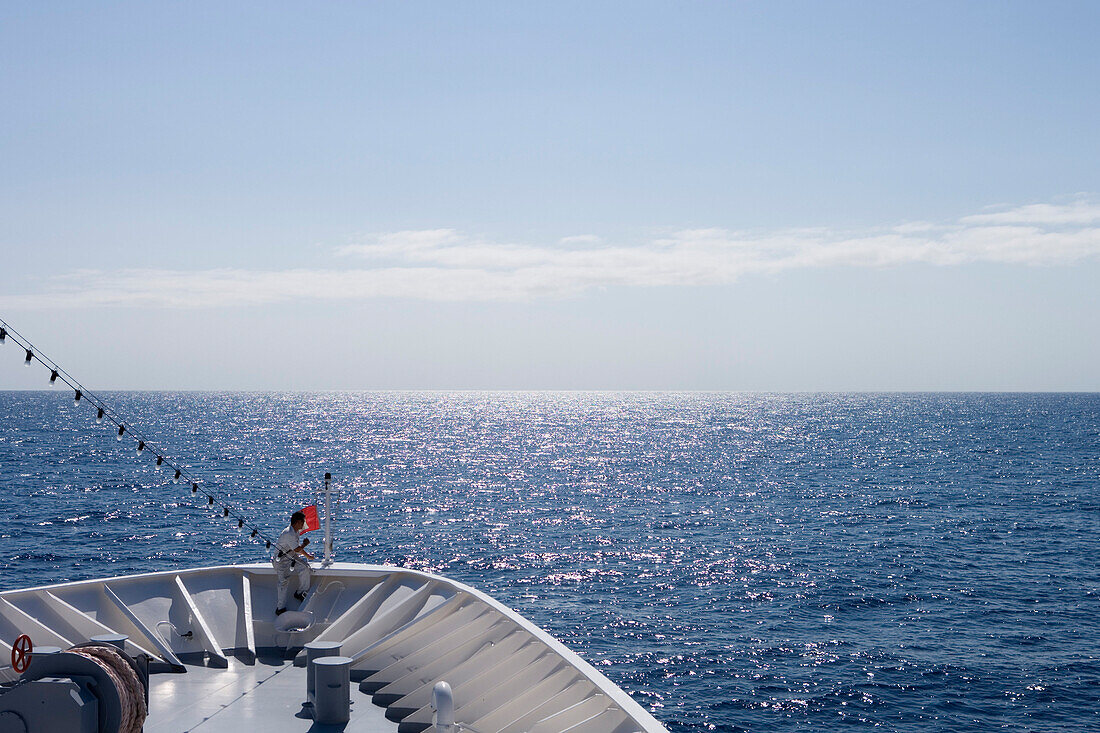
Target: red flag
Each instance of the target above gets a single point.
(312, 522)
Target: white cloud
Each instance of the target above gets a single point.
(447, 265)
(581, 240)
(404, 243)
(1082, 211)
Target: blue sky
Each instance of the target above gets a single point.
(768, 196)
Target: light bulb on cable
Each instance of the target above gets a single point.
(160, 460)
(121, 430)
(76, 398)
(141, 446)
(30, 355)
(3, 334)
(99, 416)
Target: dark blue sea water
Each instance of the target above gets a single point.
(736, 562)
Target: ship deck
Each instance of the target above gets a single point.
(265, 696)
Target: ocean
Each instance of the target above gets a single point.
(736, 562)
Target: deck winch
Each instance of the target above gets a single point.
(90, 688)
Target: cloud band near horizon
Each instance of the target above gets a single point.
(447, 265)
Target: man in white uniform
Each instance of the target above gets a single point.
(290, 557)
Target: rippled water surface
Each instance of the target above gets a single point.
(736, 562)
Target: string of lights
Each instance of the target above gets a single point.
(104, 412)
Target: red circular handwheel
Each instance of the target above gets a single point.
(21, 654)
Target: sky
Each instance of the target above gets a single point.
(781, 196)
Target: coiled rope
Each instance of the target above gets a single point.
(131, 693)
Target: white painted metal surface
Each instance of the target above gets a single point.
(404, 630)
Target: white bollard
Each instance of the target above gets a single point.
(332, 699)
(444, 703)
(317, 650)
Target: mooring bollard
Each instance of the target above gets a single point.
(316, 650)
(332, 699)
(444, 703)
(116, 640)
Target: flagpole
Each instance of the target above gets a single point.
(328, 522)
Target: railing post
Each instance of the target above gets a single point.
(328, 521)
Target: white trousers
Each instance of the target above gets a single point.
(301, 569)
